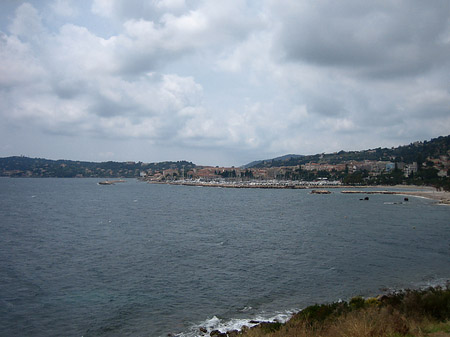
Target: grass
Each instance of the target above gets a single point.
(438, 327)
(410, 313)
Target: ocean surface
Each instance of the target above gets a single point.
(136, 259)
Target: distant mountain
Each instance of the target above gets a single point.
(284, 158)
(414, 152)
(38, 167)
(288, 157)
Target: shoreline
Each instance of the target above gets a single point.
(427, 192)
(261, 326)
(422, 312)
(442, 197)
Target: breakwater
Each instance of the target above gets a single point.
(265, 184)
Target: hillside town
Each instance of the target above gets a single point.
(306, 174)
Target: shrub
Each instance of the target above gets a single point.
(319, 313)
(357, 302)
(400, 314)
(372, 302)
(268, 327)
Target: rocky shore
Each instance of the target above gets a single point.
(264, 184)
(421, 312)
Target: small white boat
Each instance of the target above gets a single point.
(106, 182)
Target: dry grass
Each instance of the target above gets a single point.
(408, 314)
(371, 322)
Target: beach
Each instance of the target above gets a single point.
(428, 192)
(442, 196)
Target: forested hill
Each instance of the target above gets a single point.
(280, 159)
(37, 167)
(414, 152)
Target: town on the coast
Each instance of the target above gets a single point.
(309, 174)
(419, 163)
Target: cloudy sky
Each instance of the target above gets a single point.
(220, 82)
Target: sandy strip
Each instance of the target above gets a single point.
(442, 197)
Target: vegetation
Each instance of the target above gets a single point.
(414, 152)
(37, 167)
(425, 176)
(418, 153)
(408, 313)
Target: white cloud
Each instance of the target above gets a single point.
(64, 8)
(27, 23)
(103, 7)
(18, 65)
(71, 80)
(171, 5)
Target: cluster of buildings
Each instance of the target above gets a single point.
(373, 168)
(442, 164)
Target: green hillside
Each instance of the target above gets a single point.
(414, 152)
(37, 167)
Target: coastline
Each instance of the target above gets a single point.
(417, 312)
(413, 306)
(442, 197)
(427, 192)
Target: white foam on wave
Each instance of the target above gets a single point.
(245, 309)
(206, 327)
(420, 285)
(433, 283)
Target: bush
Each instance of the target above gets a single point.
(433, 302)
(400, 314)
(319, 313)
(268, 327)
(357, 302)
(372, 302)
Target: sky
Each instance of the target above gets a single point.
(220, 82)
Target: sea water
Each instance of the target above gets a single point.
(138, 259)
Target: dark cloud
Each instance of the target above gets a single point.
(66, 88)
(123, 10)
(383, 39)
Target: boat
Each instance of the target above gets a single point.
(111, 182)
(106, 182)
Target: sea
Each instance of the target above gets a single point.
(137, 259)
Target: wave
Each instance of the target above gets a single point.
(204, 328)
